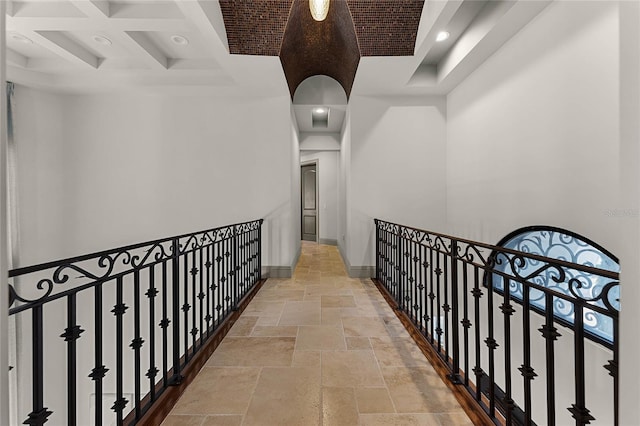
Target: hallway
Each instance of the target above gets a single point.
(319, 348)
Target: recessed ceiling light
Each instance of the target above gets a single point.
(319, 110)
(319, 9)
(21, 38)
(101, 40)
(442, 36)
(178, 39)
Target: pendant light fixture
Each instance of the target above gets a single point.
(319, 9)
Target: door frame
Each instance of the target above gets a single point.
(317, 164)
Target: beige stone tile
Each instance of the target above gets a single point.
(398, 352)
(331, 316)
(223, 421)
(253, 351)
(327, 289)
(454, 419)
(374, 400)
(285, 396)
(358, 343)
(276, 294)
(243, 326)
(218, 391)
(395, 327)
(262, 308)
(306, 359)
(275, 331)
(300, 313)
(350, 369)
(320, 338)
(339, 406)
(183, 420)
(268, 320)
(398, 420)
(364, 326)
(418, 390)
(337, 302)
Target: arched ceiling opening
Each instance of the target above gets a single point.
(333, 47)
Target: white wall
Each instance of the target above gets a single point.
(397, 170)
(100, 171)
(533, 134)
(4, 350)
(533, 137)
(322, 142)
(344, 183)
(328, 191)
(296, 234)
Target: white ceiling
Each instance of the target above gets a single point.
(61, 52)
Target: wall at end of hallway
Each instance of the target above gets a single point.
(328, 187)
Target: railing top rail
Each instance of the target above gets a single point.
(52, 264)
(576, 266)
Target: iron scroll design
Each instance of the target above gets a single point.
(165, 299)
(598, 294)
(88, 270)
(523, 267)
(491, 314)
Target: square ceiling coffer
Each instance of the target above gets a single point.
(320, 117)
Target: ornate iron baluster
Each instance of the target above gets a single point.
(176, 378)
(507, 311)
(152, 372)
(528, 373)
(455, 375)
(137, 342)
(39, 414)
(70, 335)
(119, 310)
(579, 411)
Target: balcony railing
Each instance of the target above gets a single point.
(519, 363)
(103, 336)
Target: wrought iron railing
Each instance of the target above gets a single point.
(119, 327)
(521, 364)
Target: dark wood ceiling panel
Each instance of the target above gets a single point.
(313, 48)
(333, 47)
(255, 27)
(386, 27)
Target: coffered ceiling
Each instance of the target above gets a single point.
(189, 46)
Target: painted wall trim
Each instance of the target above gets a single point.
(295, 259)
(277, 272)
(328, 241)
(281, 271)
(357, 271)
(4, 255)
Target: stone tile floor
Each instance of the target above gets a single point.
(317, 349)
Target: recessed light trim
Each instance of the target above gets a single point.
(179, 40)
(320, 117)
(442, 36)
(21, 38)
(101, 40)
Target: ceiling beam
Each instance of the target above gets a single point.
(98, 9)
(151, 52)
(15, 58)
(65, 47)
(207, 17)
(83, 24)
